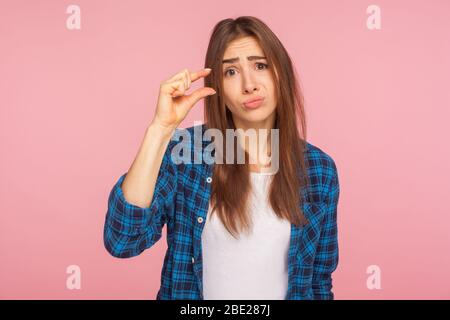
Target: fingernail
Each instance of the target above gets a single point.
(208, 69)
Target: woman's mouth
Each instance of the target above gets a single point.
(254, 104)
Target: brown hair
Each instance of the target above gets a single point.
(231, 186)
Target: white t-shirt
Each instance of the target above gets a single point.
(254, 266)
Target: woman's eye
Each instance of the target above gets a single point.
(258, 64)
(263, 64)
(226, 72)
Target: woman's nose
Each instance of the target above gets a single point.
(249, 83)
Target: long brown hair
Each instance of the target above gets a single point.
(231, 185)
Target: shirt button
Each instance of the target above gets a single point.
(200, 219)
(209, 179)
(193, 259)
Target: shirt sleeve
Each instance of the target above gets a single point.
(327, 253)
(129, 229)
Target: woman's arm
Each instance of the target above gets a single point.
(137, 212)
(141, 202)
(139, 183)
(327, 253)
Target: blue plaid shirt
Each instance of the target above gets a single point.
(180, 201)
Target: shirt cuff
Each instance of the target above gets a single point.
(126, 218)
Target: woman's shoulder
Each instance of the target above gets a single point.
(318, 158)
(321, 169)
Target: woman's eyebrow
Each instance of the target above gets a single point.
(249, 58)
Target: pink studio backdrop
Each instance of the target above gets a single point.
(75, 104)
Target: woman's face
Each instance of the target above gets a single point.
(247, 77)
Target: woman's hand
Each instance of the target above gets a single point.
(173, 104)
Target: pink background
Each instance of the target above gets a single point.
(75, 104)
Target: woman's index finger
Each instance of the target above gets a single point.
(200, 74)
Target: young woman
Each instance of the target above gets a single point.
(234, 231)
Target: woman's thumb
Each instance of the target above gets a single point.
(198, 94)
